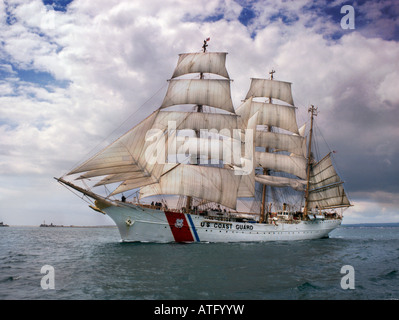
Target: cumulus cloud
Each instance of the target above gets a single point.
(70, 75)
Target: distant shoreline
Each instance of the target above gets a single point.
(372, 224)
(60, 226)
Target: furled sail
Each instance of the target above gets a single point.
(275, 181)
(201, 62)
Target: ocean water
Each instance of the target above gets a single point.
(92, 263)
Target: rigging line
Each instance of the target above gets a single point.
(124, 122)
(331, 152)
(83, 197)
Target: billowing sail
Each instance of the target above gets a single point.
(323, 173)
(282, 142)
(328, 197)
(270, 114)
(280, 162)
(202, 62)
(210, 92)
(208, 183)
(271, 88)
(228, 150)
(326, 190)
(195, 120)
(124, 154)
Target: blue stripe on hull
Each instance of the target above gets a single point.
(193, 228)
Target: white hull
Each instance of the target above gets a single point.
(136, 223)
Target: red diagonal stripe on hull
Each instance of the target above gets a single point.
(179, 226)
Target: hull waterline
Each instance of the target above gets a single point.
(141, 224)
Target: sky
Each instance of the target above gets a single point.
(75, 74)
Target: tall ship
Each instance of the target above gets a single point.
(199, 170)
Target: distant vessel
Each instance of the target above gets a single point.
(49, 225)
(211, 158)
(3, 225)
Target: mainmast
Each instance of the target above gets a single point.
(265, 171)
(313, 113)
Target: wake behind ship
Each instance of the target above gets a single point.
(213, 173)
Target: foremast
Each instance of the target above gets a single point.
(189, 199)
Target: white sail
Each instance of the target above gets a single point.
(302, 130)
(208, 183)
(271, 89)
(279, 162)
(280, 141)
(195, 120)
(275, 181)
(121, 177)
(107, 171)
(133, 184)
(228, 150)
(210, 92)
(208, 62)
(323, 173)
(270, 114)
(328, 197)
(246, 187)
(126, 151)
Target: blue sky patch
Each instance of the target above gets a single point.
(58, 5)
(41, 78)
(246, 15)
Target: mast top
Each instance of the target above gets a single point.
(313, 110)
(205, 44)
